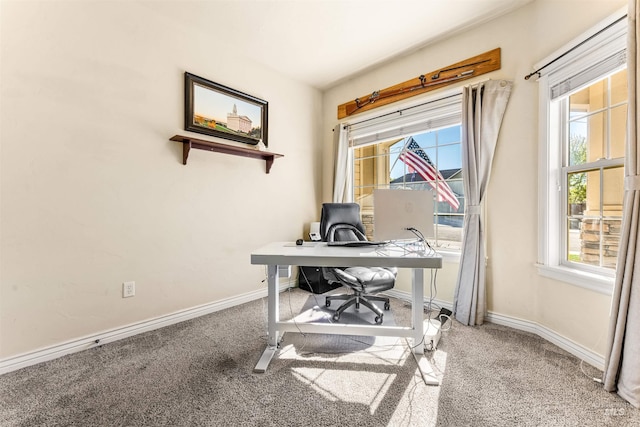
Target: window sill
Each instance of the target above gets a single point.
(583, 279)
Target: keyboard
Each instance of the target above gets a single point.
(355, 243)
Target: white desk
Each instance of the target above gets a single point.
(321, 255)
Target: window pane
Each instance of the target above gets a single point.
(594, 216)
(449, 231)
(583, 232)
(599, 242)
(577, 184)
(577, 144)
(433, 154)
(449, 159)
(590, 241)
(457, 186)
(618, 131)
(619, 91)
(364, 196)
(428, 139)
(592, 192)
(448, 135)
(587, 138)
(596, 127)
(613, 192)
(591, 98)
(611, 242)
(612, 195)
(574, 242)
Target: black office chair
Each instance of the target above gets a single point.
(341, 222)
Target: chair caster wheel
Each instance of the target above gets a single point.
(327, 303)
(336, 316)
(387, 306)
(378, 320)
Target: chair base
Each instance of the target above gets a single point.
(357, 299)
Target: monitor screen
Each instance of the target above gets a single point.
(396, 210)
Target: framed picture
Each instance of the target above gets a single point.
(213, 109)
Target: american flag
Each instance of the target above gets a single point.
(414, 157)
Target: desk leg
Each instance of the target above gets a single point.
(273, 309)
(417, 307)
(428, 375)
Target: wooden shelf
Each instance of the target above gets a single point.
(201, 144)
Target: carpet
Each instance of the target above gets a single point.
(200, 373)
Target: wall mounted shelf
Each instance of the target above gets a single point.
(188, 143)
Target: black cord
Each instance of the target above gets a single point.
(420, 237)
(416, 232)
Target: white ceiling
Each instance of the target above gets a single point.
(322, 42)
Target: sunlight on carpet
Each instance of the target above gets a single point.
(342, 348)
(383, 371)
(361, 387)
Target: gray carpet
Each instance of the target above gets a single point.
(200, 373)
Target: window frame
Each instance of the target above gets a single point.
(438, 113)
(583, 52)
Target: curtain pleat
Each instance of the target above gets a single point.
(483, 108)
(622, 370)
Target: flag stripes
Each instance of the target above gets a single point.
(415, 157)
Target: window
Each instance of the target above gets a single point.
(593, 171)
(385, 155)
(583, 126)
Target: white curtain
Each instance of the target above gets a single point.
(622, 370)
(342, 189)
(483, 108)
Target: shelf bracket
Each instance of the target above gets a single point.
(186, 147)
(269, 162)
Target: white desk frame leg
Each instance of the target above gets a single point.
(417, 314)
(273, 312)
(428, 374)
(417, 307)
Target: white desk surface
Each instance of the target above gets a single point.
(320, 255)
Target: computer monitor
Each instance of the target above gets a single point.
(396, 210)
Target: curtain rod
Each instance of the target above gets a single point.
(528, 76)
(401, 110)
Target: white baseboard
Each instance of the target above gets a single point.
(53, 352)
(589, 356)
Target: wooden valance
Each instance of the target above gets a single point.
(463, 70)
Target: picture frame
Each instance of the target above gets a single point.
(220, 111)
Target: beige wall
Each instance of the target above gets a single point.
(514, 287)
(93, 193)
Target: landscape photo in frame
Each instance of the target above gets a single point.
(217, 110)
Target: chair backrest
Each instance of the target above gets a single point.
(340, 222)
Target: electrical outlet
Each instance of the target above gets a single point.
(128, 289)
